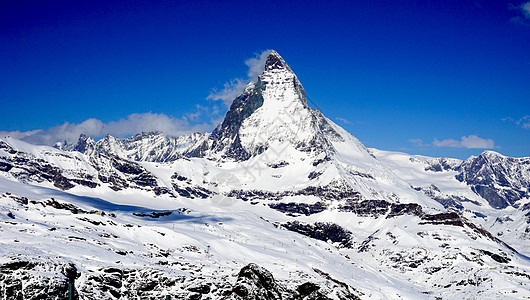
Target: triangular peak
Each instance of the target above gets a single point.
(271, 111)
(275, 62)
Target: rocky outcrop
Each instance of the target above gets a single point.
(25, 167)
(27, 280)
(322, 231)
(334, 191)
(255, 282)
(500, 180)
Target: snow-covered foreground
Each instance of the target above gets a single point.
(197, 242)
(204, 243)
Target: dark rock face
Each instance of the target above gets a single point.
(4, 146)
(307, 288)
(255, 282)
(322, 231)
(366, 208)
(294, 209)
(325, 128)
(84, 144)
(490, 169)
(275, 62)
(124, 173)
(335, 191)
(128, 284)
(19, 281)
(399, 209)
(154, 214)
(226, 136)
(484, 174)
(25, 167)
(496, 257)
(192, 191)
(377, 208)
(277, 165)
(450, 218)
(314, 175)
(61, 205)
(203, 289)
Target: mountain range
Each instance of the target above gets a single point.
(278, 202)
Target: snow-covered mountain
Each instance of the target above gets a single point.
(278, 202)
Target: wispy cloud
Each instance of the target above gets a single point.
(233, 88)
(230, 91)
(470, 142)
(523, 11)
(523, 122)
(256, 65)
(133, 124)
(342, 120)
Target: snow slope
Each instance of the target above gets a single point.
(510, 224)
(201, 242)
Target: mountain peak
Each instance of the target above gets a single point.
(276, 62)
(271, 113)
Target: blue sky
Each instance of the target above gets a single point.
(439, 78)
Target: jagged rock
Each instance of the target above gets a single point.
(490, 170)
(322, 231)
(255, 282)
(294, 209)
(21, 280)
(306, 289)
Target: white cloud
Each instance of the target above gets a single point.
(343, 120)
(524, 10)
(20, 134)
(134, 123)
(470, 142)
(256, 65)
(524, 122)
(525, 7)
(234, 88)
(229, 92)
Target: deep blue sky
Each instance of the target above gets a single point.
(394, 71)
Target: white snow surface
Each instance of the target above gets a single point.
(225, 238)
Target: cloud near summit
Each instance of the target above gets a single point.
(233, 88)
(523, 11)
